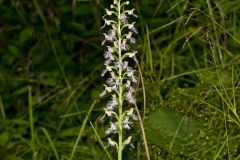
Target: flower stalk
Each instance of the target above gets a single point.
(118, 55)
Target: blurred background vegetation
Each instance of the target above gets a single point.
(50, 65)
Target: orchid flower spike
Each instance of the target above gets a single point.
(118, 39)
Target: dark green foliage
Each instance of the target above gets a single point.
(189, 57)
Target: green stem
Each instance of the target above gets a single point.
(120, 98)
(31, 121)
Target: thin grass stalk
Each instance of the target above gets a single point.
(31, 122)
(100, 141)
(51, 143)
(82, 129)
(2, 108)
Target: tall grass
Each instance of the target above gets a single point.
(50, 61)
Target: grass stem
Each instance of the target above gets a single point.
(31, 122)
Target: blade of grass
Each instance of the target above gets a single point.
(220, 150)
(82, 129)
(149, 51)
(100, 141)
(229, 116)
(238, 157)
(215, 31)
(2, 108)
(154, 31)
(51, 43)
(228, 103)
(143, 133)
(31, 122)
(176, 133)
(221, 27)
(144, 112)
(80, 89)
(157, 8)
(144, 91)
(50, 142)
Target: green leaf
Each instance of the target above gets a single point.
(13, 50)
(4, 137)
(172, 131)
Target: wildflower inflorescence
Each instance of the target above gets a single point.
(117, 40)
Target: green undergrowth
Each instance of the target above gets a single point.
(51, 59)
